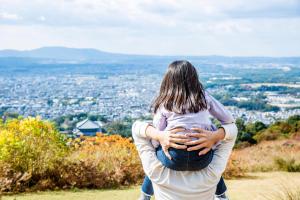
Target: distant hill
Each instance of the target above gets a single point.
(62, 53)
(88, 55)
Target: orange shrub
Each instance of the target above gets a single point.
(103, 161)
(234, 167)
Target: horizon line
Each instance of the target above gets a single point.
(157, 55)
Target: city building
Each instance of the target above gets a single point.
(87, 128)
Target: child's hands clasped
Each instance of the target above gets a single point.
(171, 139)
(206, 139)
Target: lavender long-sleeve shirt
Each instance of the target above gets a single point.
(167, 120)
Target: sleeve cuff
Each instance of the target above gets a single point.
(139, 128)
(231, 131)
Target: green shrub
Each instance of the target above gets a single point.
(288, 165)
(31, 145)
(269, 134)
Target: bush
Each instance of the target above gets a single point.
(122, 128)
(29, 149)
(270, 134)
(31, 145)
(103, 162)
(289, 165)
(276, 131)
(234, 168)
(256, 132)
(35, 156)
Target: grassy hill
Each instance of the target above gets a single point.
(35, 157)
(277, 155)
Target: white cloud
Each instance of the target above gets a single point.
(227, 27)
(9, 16)
(41, 18)
(137, 12)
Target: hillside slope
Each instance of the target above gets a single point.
(267, 156)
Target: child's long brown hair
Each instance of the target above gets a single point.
(181, 90)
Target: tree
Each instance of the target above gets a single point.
(119, 128)
(294, 121)
(240, 123)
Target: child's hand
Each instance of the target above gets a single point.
(206, 140)
(169, 139)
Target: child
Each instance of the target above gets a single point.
(182, 102)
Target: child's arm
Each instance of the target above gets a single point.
(160, 120)
(218, 111)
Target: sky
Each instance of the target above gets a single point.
(157, 27)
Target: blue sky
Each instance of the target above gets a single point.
(161, 27)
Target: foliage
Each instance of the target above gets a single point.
(256, 132)
(289, 165)
(280, 129)
(122, 128)
(35, 156)
(30, 145)
(8, 115)
(278, 89)
(256, 103)
(248, 131)
(234, 167)
(102, 162)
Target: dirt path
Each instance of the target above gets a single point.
(255, 187)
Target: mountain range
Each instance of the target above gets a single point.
(62, 53)
(88, 55)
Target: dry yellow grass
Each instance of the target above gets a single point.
(257, 186)
(263, 186)
(262, 157)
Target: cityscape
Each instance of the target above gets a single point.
(53, 82)
(129, 94)
(115, 97)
